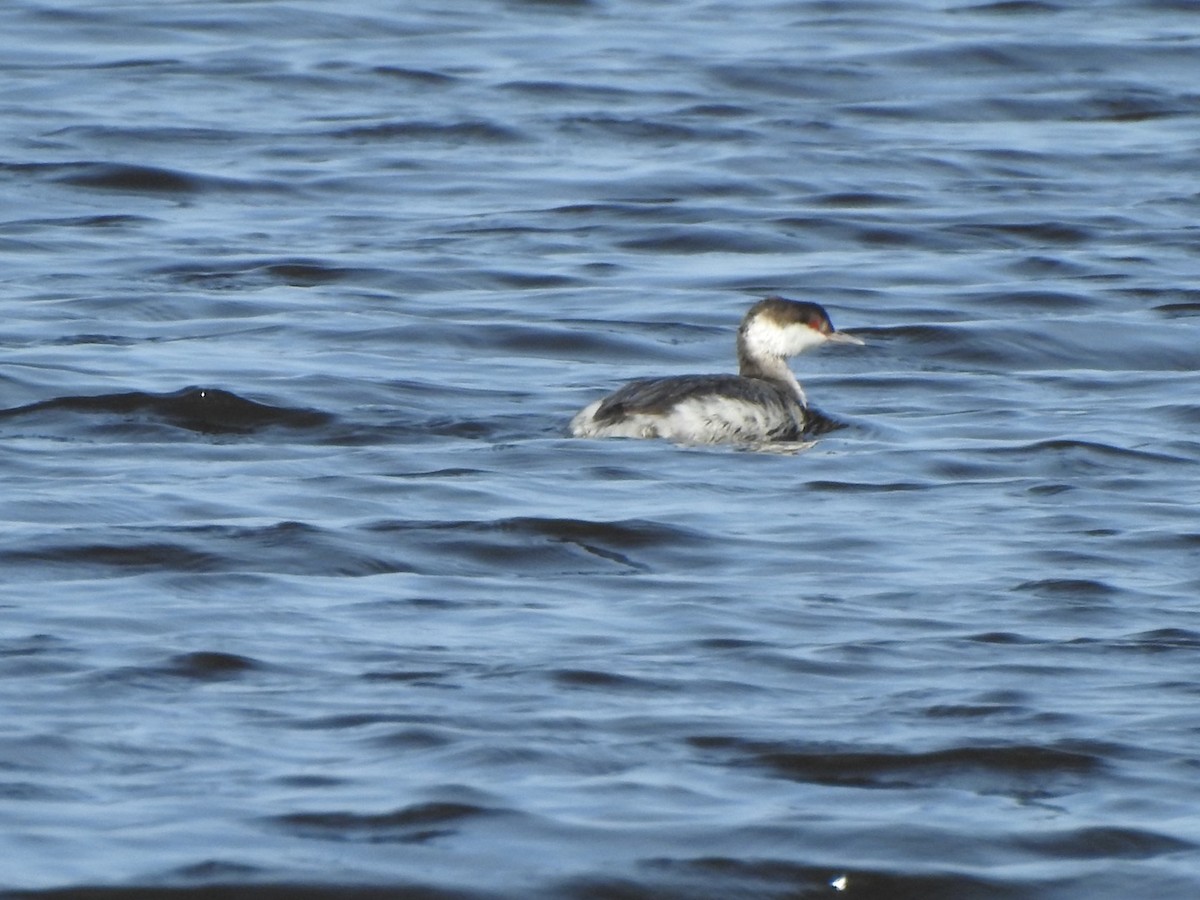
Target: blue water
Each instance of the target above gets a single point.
(306, 592)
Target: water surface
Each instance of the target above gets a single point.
(305, 586)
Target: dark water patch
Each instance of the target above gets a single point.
(1085, 454)
(805, 667)
(1026, 234)
(1103, 843)
(296, 548)
(114, 220)
(618, 473)
(840, 487)
(631, 210)
(1037, 266)
(1018, 770)
(344, 721)
(258, 888)
(307, 274)
(1050, 490)
(767, 878)
(566, 6)
(717, 111)
(897, 236)
(1136, 105)
(861, 200)
(308, 781)
(716, 879)
(32, 645)
(1179, 541)
(591, 679)
(942, 337)
(1159, 640)
(563, 90)
(215, 871)
(1184, 413)
(283, 548)
(137, 179)
(654, 131)
(417, 420)
(823, 80)
(731, 644)
(209, 411)
(1041, 342)
(127, 558)
(15, 664)
(139, 62)
(1068, 588)
(712, 878)
(394, 732)
(467, 429)
(107, 340)
(901, 885)
(408, 825)
(726, 876)
(820, 231)
(549, 544)
(529, 281)
(66, 16)
(987, 59)
(147, 134)
(1117, 107)
(1012, 8)
(973, 710)
(707, 239)
(198, 666)
(629, 534)
(414, 739)
(1033, 301)
(404, 676)
(1179, 310)
(438, 473)
(1002, 637)
(570, 340)
(415, 76)
(32, 792)
(208, 665)
(473, 131)
(255, 273)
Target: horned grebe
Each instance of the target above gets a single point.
(763, 402)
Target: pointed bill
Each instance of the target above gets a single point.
(840, 337)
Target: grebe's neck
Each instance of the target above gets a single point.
(767, 366)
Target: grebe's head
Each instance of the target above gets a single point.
(780, 327)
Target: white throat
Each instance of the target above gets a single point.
(765, 346)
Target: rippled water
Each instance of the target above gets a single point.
(304, 584)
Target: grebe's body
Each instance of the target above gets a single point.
(763, 403)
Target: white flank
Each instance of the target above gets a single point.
(694, 420)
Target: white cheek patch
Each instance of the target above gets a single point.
(769, 338)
